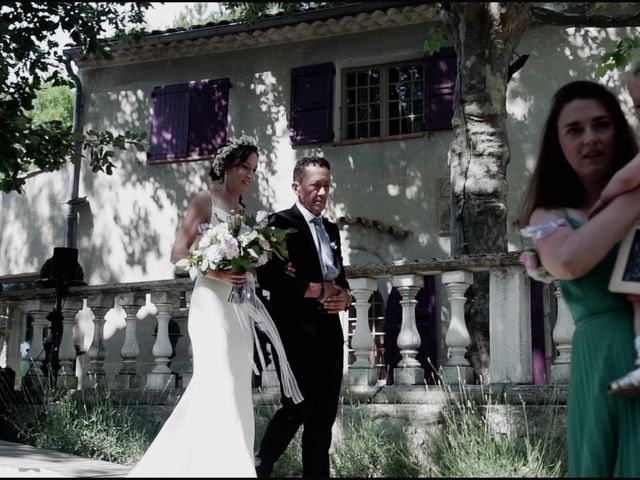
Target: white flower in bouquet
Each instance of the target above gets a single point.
(238, 244)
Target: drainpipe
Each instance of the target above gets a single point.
(74, 201)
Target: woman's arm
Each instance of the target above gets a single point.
(624, 180)
(567, 253)
(197, 213)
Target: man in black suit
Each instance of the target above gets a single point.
(305, 309)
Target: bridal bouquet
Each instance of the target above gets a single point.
(242, 242)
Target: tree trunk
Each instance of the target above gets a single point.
(485, 36)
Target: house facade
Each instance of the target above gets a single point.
(351, 83)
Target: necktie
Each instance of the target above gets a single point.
(324, 250)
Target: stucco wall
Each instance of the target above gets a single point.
(126, 231)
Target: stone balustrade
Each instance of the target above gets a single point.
(133, 336)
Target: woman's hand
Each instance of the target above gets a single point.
(230, 277)
(290, 270)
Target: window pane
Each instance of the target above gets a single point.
(374, 77)
(393, 92)
(416, 72)
(351, 114)
(417, 107)
(374, 129)
(374, 111)
(351, 131)
(362, 78)
(416, 124)
(374, 94)
(362, 113)
(393, 74)
(405, 73)
(351, 96)
(404, 109)
(394, 110)
(363, 95)
(405, 125)
(394, 127)
(417, 89)
(351, 80)
(402, 90)
(363, 130)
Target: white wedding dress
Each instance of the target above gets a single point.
(210, 432)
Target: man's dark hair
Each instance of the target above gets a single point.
(304, 162)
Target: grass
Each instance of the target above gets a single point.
(63, 420)
(483, 437)
(486, 439)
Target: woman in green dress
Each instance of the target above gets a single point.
(586, 139)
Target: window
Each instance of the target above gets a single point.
(398, 98)
(311, 116)
(189, 120)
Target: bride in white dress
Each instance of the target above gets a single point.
(211, 430)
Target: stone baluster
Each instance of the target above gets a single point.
(36, 355)
(67, 352)
(562, 337)
(457, 338)
(180, 363)
(409, 371)
(99, 304)
(128, 377)
(362, 372)
(509, 326)
(184, 328)
(161, 376)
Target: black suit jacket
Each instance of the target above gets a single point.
(292, 313)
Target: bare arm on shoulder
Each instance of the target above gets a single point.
(567, 253)
(624, 180)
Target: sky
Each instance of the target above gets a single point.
(162, 14)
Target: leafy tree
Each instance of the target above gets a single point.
(52, 103)
(200, 13)
(31, 58)
(250, 12)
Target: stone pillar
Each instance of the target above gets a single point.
(161, 376)
(457, 337)
(509, 326)
(67, 352)
(409, 371)
(362, 372)
(562, 337)
(99, 305)
(128, 377)
(36, 355)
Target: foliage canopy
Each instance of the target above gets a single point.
(31, 58)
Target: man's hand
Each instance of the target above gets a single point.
(290, 270)
(338, 301)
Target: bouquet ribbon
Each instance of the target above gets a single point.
(253, 311)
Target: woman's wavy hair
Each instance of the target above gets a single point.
(554, 184)
(235, 157)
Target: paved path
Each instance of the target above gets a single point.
(17, 460)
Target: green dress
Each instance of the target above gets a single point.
(603, 430)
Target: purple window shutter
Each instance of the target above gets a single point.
(311, 115)
(440, 79)
(170, 122)
(209, 106)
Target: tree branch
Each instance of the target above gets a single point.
(585, 15)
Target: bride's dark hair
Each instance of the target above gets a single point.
(235, 157)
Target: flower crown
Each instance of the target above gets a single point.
(232, 143)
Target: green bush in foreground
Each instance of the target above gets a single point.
(97, 429)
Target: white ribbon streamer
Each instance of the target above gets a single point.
(253, 311)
